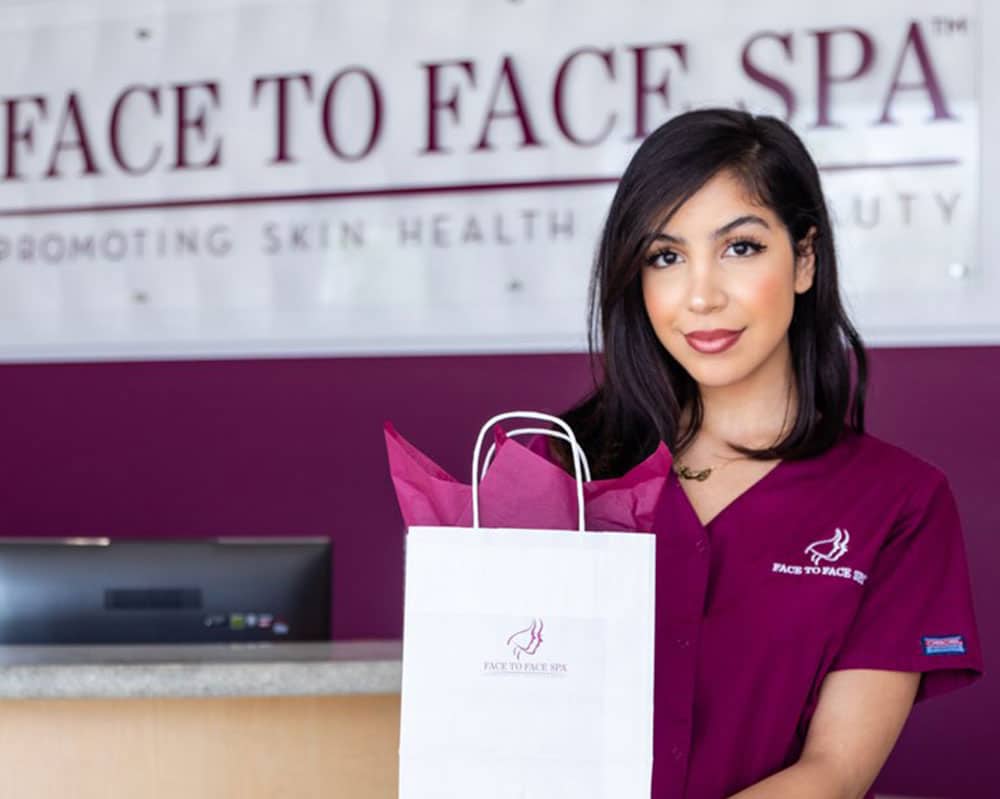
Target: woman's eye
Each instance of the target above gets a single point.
(662, 258)
(745, 247)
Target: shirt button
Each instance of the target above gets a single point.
(677, 752)
(683, 643)
(699, 545)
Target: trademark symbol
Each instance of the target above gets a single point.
(949, 26)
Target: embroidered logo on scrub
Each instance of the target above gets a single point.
(825, 551)
(944, 645)
(829, 549)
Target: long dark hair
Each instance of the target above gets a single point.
(640, 390)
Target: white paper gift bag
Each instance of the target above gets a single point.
(527, 658)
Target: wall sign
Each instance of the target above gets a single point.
(290, 177)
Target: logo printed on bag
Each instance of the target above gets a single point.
(528, 640)
(826, 550)
(525, 641)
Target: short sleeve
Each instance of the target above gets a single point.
(916, 613)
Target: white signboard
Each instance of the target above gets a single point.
(209, 177)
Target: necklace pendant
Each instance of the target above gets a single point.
(689, 474)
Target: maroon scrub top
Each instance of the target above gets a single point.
(850, 559)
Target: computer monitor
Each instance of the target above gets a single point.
(113, 591)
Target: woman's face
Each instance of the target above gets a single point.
(719, 284)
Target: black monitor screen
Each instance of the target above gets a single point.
(90, 591)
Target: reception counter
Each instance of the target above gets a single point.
(244, 720)
(253, 721)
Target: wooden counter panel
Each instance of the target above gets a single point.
(242, 748)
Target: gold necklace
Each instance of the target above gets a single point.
(701, 475)
(689, 474)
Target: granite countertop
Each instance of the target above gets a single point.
(200, 670)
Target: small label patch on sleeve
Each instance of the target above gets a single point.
(944, 645)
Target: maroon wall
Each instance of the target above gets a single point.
(273, 447)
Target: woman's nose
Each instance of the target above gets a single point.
(705, 295)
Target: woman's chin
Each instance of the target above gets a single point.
(717, 375)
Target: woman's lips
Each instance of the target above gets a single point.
(712, 341)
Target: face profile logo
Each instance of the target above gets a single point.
(528, 640)
(829, 550)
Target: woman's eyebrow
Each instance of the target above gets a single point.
(746, 219)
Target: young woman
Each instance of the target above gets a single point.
(811, 578)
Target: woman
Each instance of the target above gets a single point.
(811, 579)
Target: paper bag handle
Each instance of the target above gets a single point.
(543, 417)
(538, 431)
